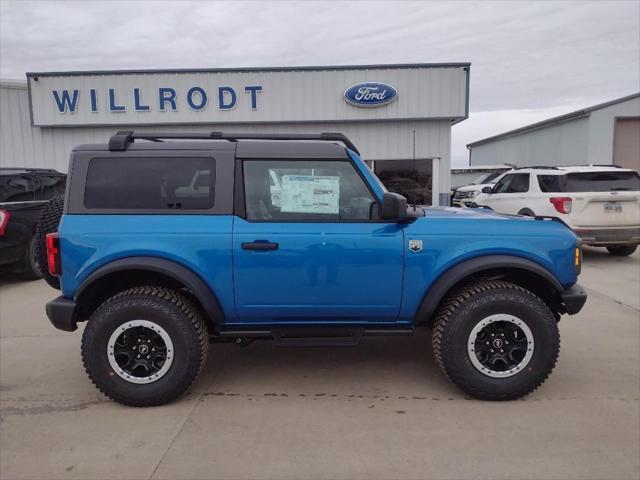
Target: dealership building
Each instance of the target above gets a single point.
(604, 134)
(399, 116)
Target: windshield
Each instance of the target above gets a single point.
(485, 178)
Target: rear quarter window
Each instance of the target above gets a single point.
(590, 182)
(150, 184)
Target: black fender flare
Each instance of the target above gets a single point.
(169, 268)
(437, 291)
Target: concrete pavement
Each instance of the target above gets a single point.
(381, 410)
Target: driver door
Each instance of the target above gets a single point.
(310, 248)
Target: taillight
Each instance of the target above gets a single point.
(562, 204)
(4, 220)
(53, 254)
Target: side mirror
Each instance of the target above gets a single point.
(394, 207)
(486, 190)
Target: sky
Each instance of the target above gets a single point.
(530, 60)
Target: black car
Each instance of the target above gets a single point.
(23, 192)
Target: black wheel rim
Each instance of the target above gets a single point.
(140, 351)
(500, 345)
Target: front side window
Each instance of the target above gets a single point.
(150, 183)
(515, 183)
(284, 190)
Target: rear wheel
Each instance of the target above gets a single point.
(47, 223)
(525, 212)
(145, 346)
(32, 270)
(622, 250)
(496, 340)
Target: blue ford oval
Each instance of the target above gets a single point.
(370, 94)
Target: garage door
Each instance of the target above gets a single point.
(626, 149)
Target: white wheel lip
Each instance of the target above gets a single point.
(152, 326)
(500, 317)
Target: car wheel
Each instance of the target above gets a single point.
(525, 212)
(32, 270)
(145, 346)
(47, 223)
(495, 340)
(622, 251)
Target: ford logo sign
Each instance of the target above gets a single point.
(370, 94)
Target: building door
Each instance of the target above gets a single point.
(411, 178)
(626, 145)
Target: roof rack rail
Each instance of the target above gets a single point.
(121, 140)
(537, 167)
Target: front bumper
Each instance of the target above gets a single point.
(62, 313)
(574, 299)
(466, 203)
(609, 236)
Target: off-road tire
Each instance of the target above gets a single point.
(169, 309)
(48, 222)
(622, 250)
(31, 266)
(464, 309)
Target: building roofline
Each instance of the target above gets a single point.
(251, 69)
(11, 83)
(585, 112)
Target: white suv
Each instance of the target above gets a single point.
(465, 196)
(600, 204)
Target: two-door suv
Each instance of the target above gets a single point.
(166, 246)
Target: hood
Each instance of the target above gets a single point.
(466, 219)
(470, 188)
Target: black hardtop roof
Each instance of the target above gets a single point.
(273, 149)
(246, 145)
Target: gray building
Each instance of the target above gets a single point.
(399, 116)
(608, 133)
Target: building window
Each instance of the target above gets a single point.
(411, 178)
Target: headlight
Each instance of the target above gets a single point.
(473, 193)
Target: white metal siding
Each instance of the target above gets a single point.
(21, 145)
(287, 96)
(583, 141)
(602, 126)
(562, 144)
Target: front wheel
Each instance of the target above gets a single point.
(495, 340)
(145, 346)
(622, 250)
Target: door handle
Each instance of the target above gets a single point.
(260, 245)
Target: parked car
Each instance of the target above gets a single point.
(300, 243)
(601, 204)
(464, 196)
(23, 192)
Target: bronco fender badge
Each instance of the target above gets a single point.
(415, 245)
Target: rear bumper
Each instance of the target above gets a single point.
(62, 314)
(574, 299)
(609, 236)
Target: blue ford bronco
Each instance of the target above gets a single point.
(181, 240)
